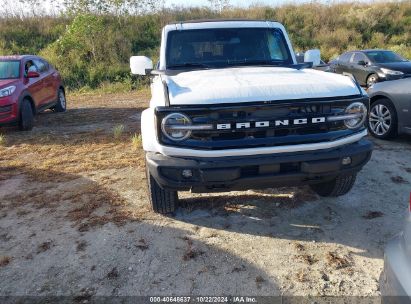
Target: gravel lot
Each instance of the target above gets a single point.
(74, 219)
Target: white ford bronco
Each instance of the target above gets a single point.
(231, 109)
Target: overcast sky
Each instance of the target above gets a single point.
(233, 2)
(245, 3)
(51, 6)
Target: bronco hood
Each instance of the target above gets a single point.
(253, 84)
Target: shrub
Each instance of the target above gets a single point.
(118, 131)
(136, 141)
(93, 49)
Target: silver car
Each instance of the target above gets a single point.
(396, 277)
(390, 112)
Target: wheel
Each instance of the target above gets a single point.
(339, 186)
(26, 116)
(382, 121)
(371, 79)
(61, 102)
(162, 200)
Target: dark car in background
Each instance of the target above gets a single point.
(28, 85)
(371, 66)
(390, 110)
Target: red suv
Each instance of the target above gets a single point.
(28, 85)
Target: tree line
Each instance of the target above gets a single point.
(92, 41)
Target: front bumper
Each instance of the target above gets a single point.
(256, 171)
(388, 77)
(396, 277)
(8, 111)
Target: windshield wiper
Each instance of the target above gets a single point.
(255, 62)
(189, 65)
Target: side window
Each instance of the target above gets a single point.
(41, 65)
(30, 66)
(46, 65)
(358, 57)
(345, 57)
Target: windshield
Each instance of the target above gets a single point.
(214, 48)
(384, 56)
(9, 69)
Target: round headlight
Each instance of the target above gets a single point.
(358, 113)
(173, 126)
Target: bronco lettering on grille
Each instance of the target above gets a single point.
(266, 123)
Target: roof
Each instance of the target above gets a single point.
(372, 50)
(221, 23)
(220, 20)
(15, 57)
(367, 50)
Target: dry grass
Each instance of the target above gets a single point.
(308, 259)
(70, 150)
(81, 246)
(5, 260)
(301, 276)
(399, 180)
(142, 244)
(373, 214)
(43, 247)
(191, 252)
(2, 140)
(136, 141)
(118, 131)
(336, 261)
(259, 280)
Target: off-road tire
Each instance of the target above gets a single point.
(341, 185)
(61, 103)
(26, 120)
(162, 200)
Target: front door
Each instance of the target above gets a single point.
(359, 70)
(49, 92)
(35, 85)
(343, 61)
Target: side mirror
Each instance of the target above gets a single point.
(140, 64)
(313, 56)
(33, 74)
(362, 62)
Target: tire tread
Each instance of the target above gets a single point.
(26, 116)
(58, 107)
(341, 185)
(162, 200)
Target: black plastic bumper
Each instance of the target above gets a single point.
(260, 171)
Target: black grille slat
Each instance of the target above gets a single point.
(259, 136)
(5, 109)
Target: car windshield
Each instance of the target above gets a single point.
(384, 56)
(9, 69)
(217, 48)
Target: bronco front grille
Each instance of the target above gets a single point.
(251, 114)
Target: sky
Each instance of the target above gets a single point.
(245, 3)
(14, 6)
(232, 2)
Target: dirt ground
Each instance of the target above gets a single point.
(75, 220)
